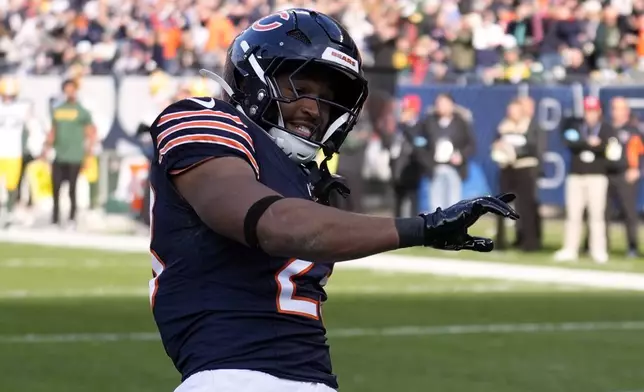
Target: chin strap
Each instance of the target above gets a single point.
(324, 183)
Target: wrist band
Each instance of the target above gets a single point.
(411, 231)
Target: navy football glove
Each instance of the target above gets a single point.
(447, 229)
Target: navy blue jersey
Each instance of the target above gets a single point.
(217, 303)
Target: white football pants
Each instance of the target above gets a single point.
(225, 380)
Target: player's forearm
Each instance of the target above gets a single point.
(312, 232)
(223, 192)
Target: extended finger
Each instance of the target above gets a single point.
(498, 207)
(507, 197)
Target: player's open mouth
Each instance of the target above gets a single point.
(301, 130)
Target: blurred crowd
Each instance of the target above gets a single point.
(426, 40)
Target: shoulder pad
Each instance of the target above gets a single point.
(200, 103)
(199, 107)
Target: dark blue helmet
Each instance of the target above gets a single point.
(297, 42)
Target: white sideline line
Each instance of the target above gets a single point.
(100, 292)
(115, 291)
(527, 328)
(35, 263)
(505, 271)
(385, 262)
(52, 237)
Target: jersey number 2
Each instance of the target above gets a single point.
(287, 301)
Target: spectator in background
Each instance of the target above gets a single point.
(591, 13)
(522, 28)
(575, 65)
(609, 35)
(487, 38)
(635, 155)
(355, 18)
(71, 138)
(512, 70)
(459, 41)
(516, 151)
(587, 182)
(635, 152)
(622, 181)
(408, 153)
(451, 145)
(220, 32)
(382, 76)
(419, 60)
(350, 162)
(528, 106)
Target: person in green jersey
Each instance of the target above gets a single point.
(71, 137)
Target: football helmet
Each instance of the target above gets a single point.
(296, 42)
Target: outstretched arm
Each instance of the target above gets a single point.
(222, 191)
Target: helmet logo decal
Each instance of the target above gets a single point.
(260, 26)
(338, 57)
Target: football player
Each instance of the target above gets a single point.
(241, 238)
(15, 125)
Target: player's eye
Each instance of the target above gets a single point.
(315, 93)
(328, 95)
(289, 92)
(301, 89)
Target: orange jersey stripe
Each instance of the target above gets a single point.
(199, 113)
(214, 139)
(217, 125)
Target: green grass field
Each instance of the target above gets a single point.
(68, 318)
